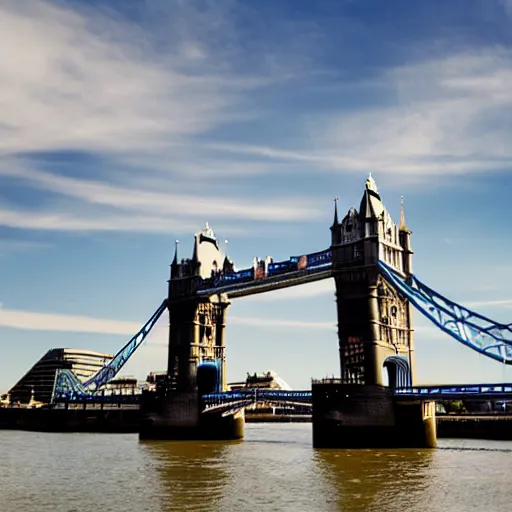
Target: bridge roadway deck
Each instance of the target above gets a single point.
(455, 392)
(268, 284)
(436, 393)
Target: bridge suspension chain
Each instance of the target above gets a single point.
(108, 372)
(489, 338)
(67, 382)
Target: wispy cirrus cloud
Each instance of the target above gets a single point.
(37, 321)
(34, 321)
(155, 110)
(441, 116)
(88, 80)
(65, 221)
(165, 203)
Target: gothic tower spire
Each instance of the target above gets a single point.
(403, 225)
(336, 221)
(175, 260)
(404, 235)
(175, 265)
(336, 227)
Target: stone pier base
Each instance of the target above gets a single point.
(177, 416)
(361, 416)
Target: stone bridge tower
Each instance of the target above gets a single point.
(375, 338)
(196, 342)
(375, 335)
(197, 323)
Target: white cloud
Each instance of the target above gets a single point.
(446, 116)
(36, 321)
(81, 79)
(85, 80)
(33, 321)
(163, 203)
(64, 221)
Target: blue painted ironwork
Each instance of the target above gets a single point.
(107, 373)
(103, 397)
(480, 333)
(227, 406)
(447, 392)
(233, 400)
(245, 397)
(67, 383)
(293, 268)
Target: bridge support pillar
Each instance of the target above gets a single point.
(364, 416)
(177, 416)
(174, 410)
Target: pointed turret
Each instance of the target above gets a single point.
(335, 221)
(335, 228)
(228, 264)
(371, 204)
(195, 254)
(175, 265)
(194, 262)
(404, 235)
(403, 225)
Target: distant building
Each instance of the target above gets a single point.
(266, 380)
(38, 383)
(125, 385)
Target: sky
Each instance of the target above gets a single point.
(126, 125)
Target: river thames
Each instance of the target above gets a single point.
(274, 468)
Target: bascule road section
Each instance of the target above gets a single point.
(375, 402)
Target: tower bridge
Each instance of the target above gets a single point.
(375, 402)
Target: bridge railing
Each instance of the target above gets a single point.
(255, 395)
(293, 268)
(462, 390)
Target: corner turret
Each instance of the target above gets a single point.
(371, 207)
(404, 234)
(335, 224)
(175, 266)
(228, 265)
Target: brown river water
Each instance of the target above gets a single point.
(273, 469)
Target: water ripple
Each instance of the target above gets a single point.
(274, 469)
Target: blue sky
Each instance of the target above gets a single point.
(125, 125)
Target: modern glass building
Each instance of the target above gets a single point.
(40, 379)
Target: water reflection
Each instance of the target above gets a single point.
(375, 479)
(189, 475)
(274, 468)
